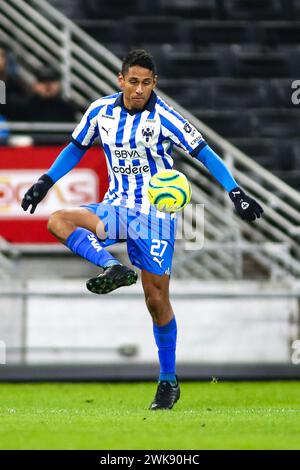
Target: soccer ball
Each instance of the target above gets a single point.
(169, 191)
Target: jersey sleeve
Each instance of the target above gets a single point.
(181, 132)
(87, 130)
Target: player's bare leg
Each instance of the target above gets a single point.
(62, 223)
(80, 230)
(156, 290)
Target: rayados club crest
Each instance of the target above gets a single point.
(147, 133)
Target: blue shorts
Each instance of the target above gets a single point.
(150, 239)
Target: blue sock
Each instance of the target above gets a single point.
(84, 243)
(165, 338)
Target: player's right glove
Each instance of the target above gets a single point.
(36, 193)
(246, 207)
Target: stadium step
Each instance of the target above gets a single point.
(99, 9)
(222, 32)
(184, 65)
(263, 65)
(208, 9)
(230, 93)
(227, 123)
(105, 31)
(189, 92)
(278, 33)
(162, 29)
(273, 154)
(291, 178)
(253, 9)
(280, 123)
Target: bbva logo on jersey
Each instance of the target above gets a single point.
(125, 154)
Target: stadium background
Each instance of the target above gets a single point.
(230, 67)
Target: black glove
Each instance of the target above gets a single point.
(36, 193)
(247, 208)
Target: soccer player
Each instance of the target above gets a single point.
(137, 131)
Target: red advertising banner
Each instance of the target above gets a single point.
(20, 167)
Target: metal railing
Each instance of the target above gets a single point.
(40, 34)
(8, 256)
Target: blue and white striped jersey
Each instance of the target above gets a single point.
(136, 145)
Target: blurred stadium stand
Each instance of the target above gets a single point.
(231, 65)
(254, 44)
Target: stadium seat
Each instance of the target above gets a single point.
(193, 65)
(296, 152)
(287, 156)
(162, 51)
(273, 154)
(105, 31)
(281, 92)
(252, 9)
(278, 33)
(291, 178)
(190, 8)
(231, 49)
(189, 93)
(292, 54)
(294, 9)
(234, 93)
(227, 123)
(115, 9)
(154, 29)
(117, 48)
(214, 32)
(277, 123)
(267, 65)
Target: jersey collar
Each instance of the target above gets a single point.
(149, 106)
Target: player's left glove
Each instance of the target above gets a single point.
(246, 207)
(36, 193)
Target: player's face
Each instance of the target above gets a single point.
(137, 85)
(49, 89)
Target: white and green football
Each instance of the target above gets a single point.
(169, 191)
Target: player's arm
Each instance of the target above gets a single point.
(82, 138)
(246, 207)
(186, 136)
(69, 157)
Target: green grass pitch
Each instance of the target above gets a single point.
(222, 415)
